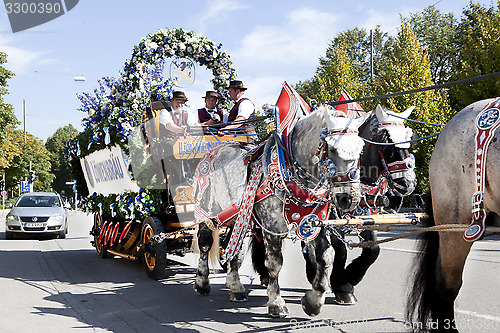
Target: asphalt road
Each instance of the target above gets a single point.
(53, 285)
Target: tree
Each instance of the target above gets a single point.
(408, 67)
(33, 150)
(346, 65)
(334, 74)
(438, 34)
(7, 116)
(60, 166)
(479, 55)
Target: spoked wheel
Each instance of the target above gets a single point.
(97, 229)
(154, 256)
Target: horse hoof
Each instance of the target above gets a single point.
(345, 298)
(277, 311)
(310, 304)
(238, 297)
(202, 290)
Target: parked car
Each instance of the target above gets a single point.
(37, 213)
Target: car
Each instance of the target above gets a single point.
(37, 213)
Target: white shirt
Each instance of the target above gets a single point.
(165, 118)
(246, 108)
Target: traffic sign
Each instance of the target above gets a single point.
(25, 186)
(4, 193)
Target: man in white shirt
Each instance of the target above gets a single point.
(242, 110)
(176, 119)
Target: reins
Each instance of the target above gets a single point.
(415, 230)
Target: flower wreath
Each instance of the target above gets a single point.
(116, 107)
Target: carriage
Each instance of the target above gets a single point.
(169, 231)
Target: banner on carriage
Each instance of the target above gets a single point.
(197, 146)
(106, 172)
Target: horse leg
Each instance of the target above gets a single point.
(274, 261)
(205, 241)
(343, 290)
(310, 258)
(358, 267)
(236, 289)
(314, 299)
(258, 256)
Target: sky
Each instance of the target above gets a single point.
(269, 42)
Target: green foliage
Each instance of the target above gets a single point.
(7, 116)
(60, 167)
(437, 33)
(33, 150)
(346, 65)
(407, 67)
(479, 54)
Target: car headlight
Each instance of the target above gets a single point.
(11, 218)
(56, 218)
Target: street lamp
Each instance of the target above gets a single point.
(79, 78)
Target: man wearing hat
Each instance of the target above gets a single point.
(210, 114)
(176, 119)
(243, 108)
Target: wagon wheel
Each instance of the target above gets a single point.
(223, 242)
(96, 230)
(154, 256)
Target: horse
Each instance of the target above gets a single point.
(339, 146)
(453, 172)
(380, 163)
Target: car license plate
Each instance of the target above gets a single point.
(33, 225)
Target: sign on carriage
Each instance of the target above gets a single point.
(106, 172)
(198, 146)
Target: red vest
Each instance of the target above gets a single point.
(180, 120)
(234, 111)
(203, 115)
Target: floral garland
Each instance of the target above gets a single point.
(115, 108)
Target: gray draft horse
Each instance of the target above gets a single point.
(229, 182)
(437, 275)
(393, 162)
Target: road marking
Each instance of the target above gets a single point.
(475, 314)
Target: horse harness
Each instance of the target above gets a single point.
(486, 122)
(304, 208)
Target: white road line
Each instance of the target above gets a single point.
(479, 315)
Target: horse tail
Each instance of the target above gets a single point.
(259, 254)
(422, 294)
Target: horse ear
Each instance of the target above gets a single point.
(361, 120)
(328, 119)
(407, 113)
(381, 114)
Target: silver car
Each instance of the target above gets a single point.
(37, 213)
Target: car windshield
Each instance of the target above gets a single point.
(39, 201)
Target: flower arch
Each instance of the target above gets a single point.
(115, 108)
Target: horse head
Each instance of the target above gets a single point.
(344, 148)
(393, 160)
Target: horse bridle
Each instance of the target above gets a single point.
(346, 182)
(399, 170)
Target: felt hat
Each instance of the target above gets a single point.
(179, 95)
(211, 93)
(236, 84)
